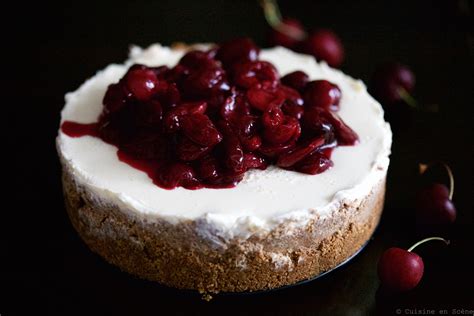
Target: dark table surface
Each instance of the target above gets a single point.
(46, 269)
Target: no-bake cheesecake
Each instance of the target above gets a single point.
(229, 181)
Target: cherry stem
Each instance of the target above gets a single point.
(272, 12)
(408, 98)
(424, 167)
(426, 240)
(273, 16)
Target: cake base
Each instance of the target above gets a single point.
(177, 255)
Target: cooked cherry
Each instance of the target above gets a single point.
(289, 94)
(115, 98)
(296, 80)
(146, 145)
(322, 93)
(314, 163)
(254, 72)
(292, 109)
(200, 129)
(141, 82)
(290, 158)
(237, 50)
(197, 59)
(177, 174)
(160, 71)
(171, 122)
(205, 81)
(289, 130)
(262, 97)
(253, 161)
(187, 150)
(273, 117)
(321, 121)
(208, 168)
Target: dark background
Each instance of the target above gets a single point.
(52, 48)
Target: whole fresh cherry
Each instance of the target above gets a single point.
(324, 45)
(288, 33)
(393, 82)
(401, 270)
(434, 204)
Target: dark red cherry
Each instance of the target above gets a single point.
(289, 94)
(289, 130)
(141, 82)
(208, 168)
(314, 163)
(322, 93)
(301, 151)
(321, 121)
(390, 81)
(205, 81)
(171, 121)
(187, 150)
(296, 80)
(160, 71)
(115, 98)
(262, 97)
(399, 269)
(177, 174)
(253, 161)
(433, 206)
(292, 109)
(146, 145)
(325, 45)
(197, 59)
(233, 155)
(254, 72)
(200, 129)
(273, 117)
(288, 34)
(237, 50)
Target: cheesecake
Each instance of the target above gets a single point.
(223, 168)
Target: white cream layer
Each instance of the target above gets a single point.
(264, 198)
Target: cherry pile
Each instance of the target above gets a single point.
(217, 114)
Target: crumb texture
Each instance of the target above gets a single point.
(180, 256)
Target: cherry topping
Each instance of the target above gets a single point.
(290, 158)
(254, 72)
(314, 163)
(401, 270)
(296, 80)
(215, 115)
(177, 174)
(325, 45)
(322, 93)
(141, 82)
(237, 51)
(200, 129)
